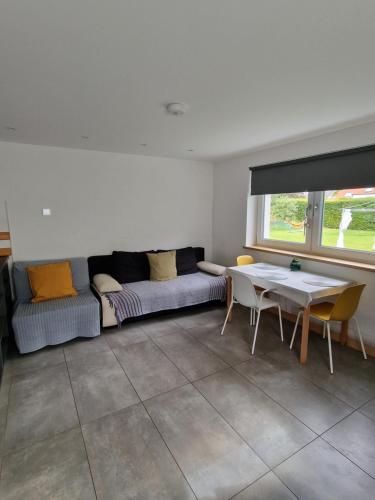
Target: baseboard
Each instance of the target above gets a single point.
(316, 328)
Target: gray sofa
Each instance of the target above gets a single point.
(54, 321)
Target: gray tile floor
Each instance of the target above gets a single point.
(168, 409)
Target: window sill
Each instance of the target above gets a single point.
(317, 258)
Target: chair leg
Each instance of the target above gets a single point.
(256, 331)
(227, 317)
(360, 337)
(324, 329)
(329, 348)
(251, 316)
(281, 325)
(295, 329)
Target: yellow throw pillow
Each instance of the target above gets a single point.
(162, 265)
(51, 281)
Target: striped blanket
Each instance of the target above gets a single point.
(144, 297)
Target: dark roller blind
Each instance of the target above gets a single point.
(351, 168)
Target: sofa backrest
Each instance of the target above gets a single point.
(80, 275)
(103, 263)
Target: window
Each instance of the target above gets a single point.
(334, 223)
(285, 217)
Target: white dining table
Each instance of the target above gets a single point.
(301, 287)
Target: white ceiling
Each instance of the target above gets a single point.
(254, 72)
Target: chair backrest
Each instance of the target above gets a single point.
(243, 290)
(347, 303)
(244, 260)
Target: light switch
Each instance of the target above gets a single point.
(46, 211)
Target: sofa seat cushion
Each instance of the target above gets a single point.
(146, 297)
(37, 325)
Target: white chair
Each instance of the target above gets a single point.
(244, 293)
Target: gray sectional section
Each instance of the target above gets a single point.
(55, 321)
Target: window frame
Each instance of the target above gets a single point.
(314, 227)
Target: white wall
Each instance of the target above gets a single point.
(231, 187)
(101, 201)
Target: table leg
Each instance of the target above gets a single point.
(229, 296)
(344, 332)
(305, 335)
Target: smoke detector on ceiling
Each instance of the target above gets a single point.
(176, 108)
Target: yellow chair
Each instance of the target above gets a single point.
(244, 260)
(342, 310)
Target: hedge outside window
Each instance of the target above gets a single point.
(348, 221)
(338, 223)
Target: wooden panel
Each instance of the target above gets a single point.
(5, 252)
(4, 235)
(316, 258)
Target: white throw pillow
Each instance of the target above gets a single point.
(211, 268)
(105, 283)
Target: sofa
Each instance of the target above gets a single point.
(141, 297)
(38, 325)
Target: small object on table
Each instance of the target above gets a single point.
(295, 265)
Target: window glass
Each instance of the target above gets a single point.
(285, 217)
(349, 219)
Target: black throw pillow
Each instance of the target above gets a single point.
(128, 267)
(186, 261)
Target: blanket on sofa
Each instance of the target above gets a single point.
(144, 297)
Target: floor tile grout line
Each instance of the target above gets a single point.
(217, 327)
(317, 435)
(220, 357)
(188, 382)
(248, 485)
(170, 451)
(270, 469)
(80, 427)
(38, 441)
(157, 430)
(184, 331)
(166, 392)
(305, 376)
(231, 426)
(33, 370)
(316, 385)
(301, 421)
(195, 380)
(284, 483)
(274, 400)
(31, 443)
(246, 380)
(171, 361)
(160, 349)
(345, 456)
(286, 409)
(364, 404)
(260, 478)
